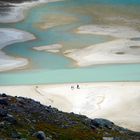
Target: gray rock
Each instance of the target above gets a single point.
(3, 101)
(108, 138)
(4, 95)
(65, 126)
(48, 138)
(112, 138)
(40, 135)
(92, 126)
(2, 124)
(3, 113)
(10, 119)
(102, 123)
(16, 135)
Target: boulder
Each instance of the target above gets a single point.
(4, 95)
(40, 135)
(101, 123)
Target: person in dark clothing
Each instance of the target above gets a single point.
(78, 87)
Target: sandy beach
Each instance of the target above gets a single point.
(118, 101)
(10, 36)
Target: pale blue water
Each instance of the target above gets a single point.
(55, 68)
(102, 73)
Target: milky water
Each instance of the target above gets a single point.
(55, 68)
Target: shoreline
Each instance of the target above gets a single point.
(102, 100)
(18, 10)
(10, 36)
(16, 14)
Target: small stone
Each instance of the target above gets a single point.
(16, 135)
(108, 138)
(93, 126)
(64, 126)
(34, 121)
(2, 124)
(48, 138)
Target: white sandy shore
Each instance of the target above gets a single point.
(9, 36)
(114, 31)
(118, 51)
(17, 12)
(118, 101)
(49, 48)
(125, 48)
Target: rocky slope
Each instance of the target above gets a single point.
(25, 119)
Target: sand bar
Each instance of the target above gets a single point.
(118, 101)
(10, 36)
(54, 48)
(113, 31)
(119, 51)
(112, 52)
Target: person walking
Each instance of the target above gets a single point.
(78, 87)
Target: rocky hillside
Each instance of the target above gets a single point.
(25, 119)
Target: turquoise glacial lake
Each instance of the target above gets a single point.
(50, 68)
